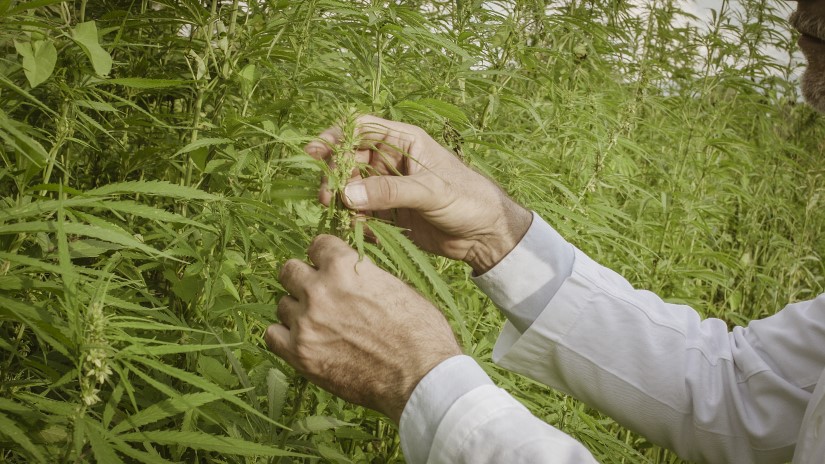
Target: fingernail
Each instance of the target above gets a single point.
(356, 193)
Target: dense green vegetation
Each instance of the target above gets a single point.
(152, 182)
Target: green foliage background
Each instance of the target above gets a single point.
(152, 182)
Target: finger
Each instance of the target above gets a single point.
(288, 310)
(277, 339)
(321, 148)
(296, 276)
(327, 249)
(385, 192)
(360, 155)
(324, 193)
(373, 131)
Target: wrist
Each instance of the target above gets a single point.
(506, 234)
(394, 407)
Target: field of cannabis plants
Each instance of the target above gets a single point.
(152, 182)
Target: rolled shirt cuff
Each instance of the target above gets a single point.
(430, 401)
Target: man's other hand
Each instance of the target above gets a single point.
(355, 330)
(449, 209)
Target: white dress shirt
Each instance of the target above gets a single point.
(752, 395)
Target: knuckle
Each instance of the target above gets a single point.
(318, 247)
(419, 133)
(364, 119)
(319, 240)
(322, 243)
(287, 269)
(343, 261)
(336, 270)
(326, 246)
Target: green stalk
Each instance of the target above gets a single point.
(62, 133)
(376, 81)
(193, 136)
(296, 408)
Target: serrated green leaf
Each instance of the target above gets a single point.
(101, 449)
(112, 404)
(85, 34)
(204, 142)
(276, 389)
(39, 58)
(53, 434)
(96, 105)
(10, 429)
(56, 408)
(26, 227)
(43, 207)
(86, 230)
(143, 346)
(143, 83)
(5, 81)
(358, 236)
(203, 384)
(150, 212)
(26, 145)
(14, 407)
(30, 262)
(90, 248)
(314, 424)
(126, 322)
(432, 106)
(215, 371)
(32, 5)
(114, 237)
(333, 453)
(163, 409)
(140, 456)
(38, 320)
(108, 234)
(207, 442)
(153, 187)
(353, 433)
(230, 287)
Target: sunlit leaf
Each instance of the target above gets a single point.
(207, 442)
(39, 58)
(85, 34)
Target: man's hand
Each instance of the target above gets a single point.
(355, 330)
(448, 208)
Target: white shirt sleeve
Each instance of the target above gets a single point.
(456, 415)
(688, 384)
(525, 280)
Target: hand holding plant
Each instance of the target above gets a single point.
(408, 178)
(355, 330)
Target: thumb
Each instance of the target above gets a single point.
(379, 193)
